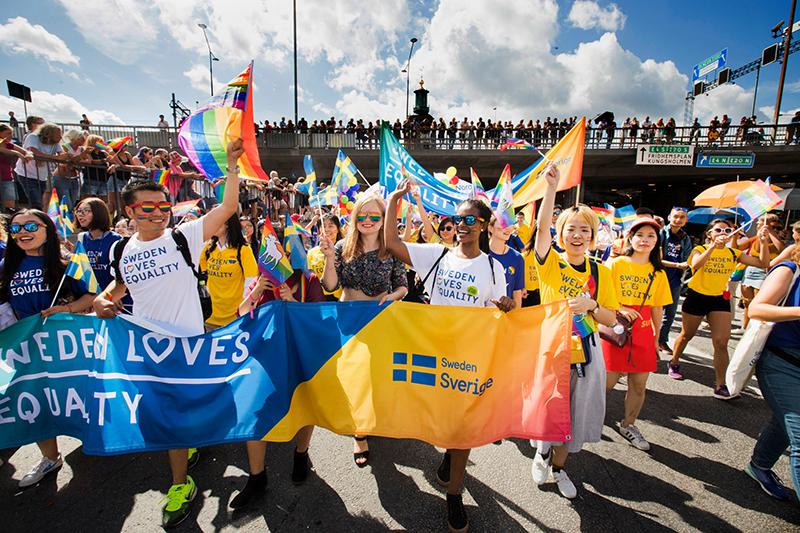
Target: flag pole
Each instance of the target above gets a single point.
(364, 178)
(55, 296)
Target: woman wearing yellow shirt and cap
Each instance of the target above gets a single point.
(712, 265)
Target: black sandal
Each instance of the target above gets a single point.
(300, 467)
(361, 455)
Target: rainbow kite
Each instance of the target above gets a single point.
(758, 199)
(228, 116)
(519, 144)
(272, 260)
(160, 177)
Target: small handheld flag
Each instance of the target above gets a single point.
(79, 268)
(160, 177)
(119, 143)
(519, 144)
(100, 145)
(624, 216)
(272, 260)
(182, 209)
(52, 206)
(65, 224)
(504, 212)
(309, 185)
(477, 187)
(758, 199)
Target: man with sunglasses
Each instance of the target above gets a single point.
(675, 247)
(164, 288)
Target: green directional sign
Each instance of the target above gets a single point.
(726, 160)
(664, 154)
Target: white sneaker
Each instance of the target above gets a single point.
(635, 437)
(565, 485)
(45, 466)
(540, 469)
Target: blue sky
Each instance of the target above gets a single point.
(121, 60)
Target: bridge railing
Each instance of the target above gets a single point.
(470, 139)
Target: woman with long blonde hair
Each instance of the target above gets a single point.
(364, 269)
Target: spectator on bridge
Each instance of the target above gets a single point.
(12, 120)
(9, 152)
(646, 130)
(694, 132)
(611, 128)
(85, 122)
(724, 126)
(793, 130)
(634, 131)
(670, 131)
(302, 125)
(162, 123)
(713, 131)
(44, 143)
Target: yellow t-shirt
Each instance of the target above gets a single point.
(712, 279)
(226, 280)
(438, 240)
(558, 280)
(531, 274)
(316, 262)
(524, 233)
(631, 280)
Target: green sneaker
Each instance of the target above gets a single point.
(179, 501)
(194, 457)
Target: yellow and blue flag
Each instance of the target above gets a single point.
(309, 185)
(344, 173)
(79, 268)
(64, 222)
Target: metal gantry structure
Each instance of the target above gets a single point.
(753, 66)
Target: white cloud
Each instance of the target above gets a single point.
(22, 37)
(587, 14)
(199, 78)
(123, 30)
(728, 99)
(57, 107)
(793, 87)
(768, 111)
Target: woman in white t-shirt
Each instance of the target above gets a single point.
(464, 275)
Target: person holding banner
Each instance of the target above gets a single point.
(33, 282)
(364, 269)
(712, 265)
(642, 291)
(469, 260)
(157, 268)
(332, 229)
(512, 261)
(592, 299)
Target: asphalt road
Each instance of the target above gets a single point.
(691, 480)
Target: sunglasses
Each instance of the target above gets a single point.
(83, 211)
(557, 212)
(149, 207)
(448, 228)
(726, 231)
(678, 208)
(30, 227)
(469, 220)
(374, 217)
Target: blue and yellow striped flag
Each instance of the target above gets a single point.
(80, 269)
(65, 224)
(344, 173)
(309, 185)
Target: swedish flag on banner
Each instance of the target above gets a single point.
(80, 268)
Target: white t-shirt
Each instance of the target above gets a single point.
(457, 281)
(29, 168)
(162, 286)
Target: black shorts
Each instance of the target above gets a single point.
(700, 304)
(532, 299)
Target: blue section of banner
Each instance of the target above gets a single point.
(119, 387)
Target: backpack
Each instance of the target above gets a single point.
(183, 248)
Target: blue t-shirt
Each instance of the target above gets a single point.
(516, 243)
(514, 268)
(99, 252)
(787, 334)
(28, 291)
(2, 250)
(675, 249)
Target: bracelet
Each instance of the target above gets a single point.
(596, 307)
(234, 170)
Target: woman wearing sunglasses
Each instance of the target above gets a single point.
(365, 270)
(468, 260)
(589, 288)
(712, 265)
(31, 272)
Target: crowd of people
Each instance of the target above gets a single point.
(623, 286)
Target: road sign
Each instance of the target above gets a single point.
(710, 64)
(726, 160)
(664, 154)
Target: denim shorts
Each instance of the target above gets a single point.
(94, 187)
(8, 190)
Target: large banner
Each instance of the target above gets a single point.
(453, 377)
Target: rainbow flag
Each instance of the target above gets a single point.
(52, 206)
(477, 187)
(80, 268)
(519, 144)
(100, 145)
(605, 214)
(119, 143)
(504, 209)
(272, 260)
(494, 195)
(623, 216)
(182, 209)
(309, 185)
(227, 116)
(758, 199)
(583, 325)
(160, 177)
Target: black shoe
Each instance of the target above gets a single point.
(443, 472)
(256, 486)
(301, 467)
(456, 514)
(361, 455)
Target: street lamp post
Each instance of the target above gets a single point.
(407, 70)
(787, 42)
(211, 58)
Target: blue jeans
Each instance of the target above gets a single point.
(669, 311)
(33, 188)
(68, 188)
(780, 383)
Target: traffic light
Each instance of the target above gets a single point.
(724, 76)
(769, 54)
(699, 87)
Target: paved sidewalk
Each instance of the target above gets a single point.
(691, 480)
